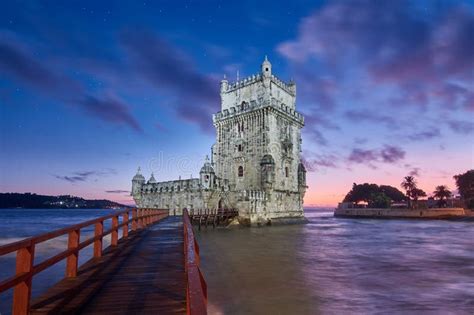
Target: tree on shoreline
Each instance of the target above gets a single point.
(441, 192)
(408, 184)
(465, 185)
(412, 191)
(374, 195)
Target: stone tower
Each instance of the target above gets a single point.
(255, 163)
(258, 145)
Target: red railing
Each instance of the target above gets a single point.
(196, 288)
(25, 250)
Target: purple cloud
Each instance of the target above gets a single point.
(196, 96)
(82, 176)
(315, 162)
(461, 127)
(388, 154)
(427, 134)
(47, 78)
(390, 53)
(391, 154)
(415, 172)
(363, 156)
(110, 109)
(365, 115)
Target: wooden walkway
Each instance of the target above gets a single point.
(144, 275)
(151, 268)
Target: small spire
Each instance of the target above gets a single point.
(237, 75)
(266, 58)
(225, 77)
(139, 170)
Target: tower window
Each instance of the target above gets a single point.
(266, 69)
(240, 148)
(241, 171)
(286, 171)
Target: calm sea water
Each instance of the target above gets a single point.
(328, 266)
(341, 266)
(17, 224)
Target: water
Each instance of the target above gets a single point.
(341, 266)
(328, 266)
(17, 224)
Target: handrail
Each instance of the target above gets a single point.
(25, 249)
(196, 288)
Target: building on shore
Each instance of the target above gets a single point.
(255, 164)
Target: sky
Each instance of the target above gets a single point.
(90, 90)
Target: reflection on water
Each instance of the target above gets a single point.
(341, 266)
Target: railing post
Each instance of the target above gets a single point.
(125, 226)
(114, 237)
(99, 229)
(140, 219)
(73, 259)
(22, 292)
(134, 219)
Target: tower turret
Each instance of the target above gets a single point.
(266, 68)
(207, 175)
(137, 182)
(224, 84)
(152, 179)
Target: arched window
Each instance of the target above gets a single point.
(286, 171)
(241, 171)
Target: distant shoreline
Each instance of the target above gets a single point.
(66, 202)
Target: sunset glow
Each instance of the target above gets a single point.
(90, 91)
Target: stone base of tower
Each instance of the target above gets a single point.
(257, 208)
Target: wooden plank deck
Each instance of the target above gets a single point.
(143, 274)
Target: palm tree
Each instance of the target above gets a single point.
(441, 192)
(409, 184)
(415, 194)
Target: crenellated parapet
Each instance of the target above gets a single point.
(245, 108)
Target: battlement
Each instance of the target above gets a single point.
(253, 105)
(171, 186)
(287, 87)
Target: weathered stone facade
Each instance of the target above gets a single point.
(255, 163)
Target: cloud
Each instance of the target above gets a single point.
(110, 109)
(390, 53)
(196, 96)
(315, 162)
(356, 116)
(17, 61)
(388, 154)
(427, 134)
(461, 127)
(117, 191)
(391, 38)
(415, 172)
(49, 79)
(82, 176)
(392, 154)
(363, 156)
